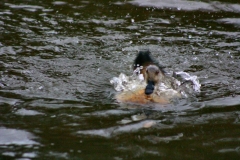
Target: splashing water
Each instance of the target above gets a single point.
(187, 80)
(181, 82)
(126, 83)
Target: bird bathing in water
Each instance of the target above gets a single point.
(151, 84)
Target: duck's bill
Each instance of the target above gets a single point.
(149, 88)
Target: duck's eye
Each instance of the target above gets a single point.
(156, 72)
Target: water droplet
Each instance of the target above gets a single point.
(195, 58)
(41, 87)
(159, 38)
(189, 36)
(173, 16)
(132, 20)
(210, 33)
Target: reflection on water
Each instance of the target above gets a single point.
(56, 60)
(15, 137)
(12, 139)
(190, 5)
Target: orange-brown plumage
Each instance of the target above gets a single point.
(138, 96)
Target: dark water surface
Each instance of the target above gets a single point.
(56, 60)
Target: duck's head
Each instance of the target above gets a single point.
(153, 76)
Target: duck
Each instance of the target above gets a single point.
(154, 78)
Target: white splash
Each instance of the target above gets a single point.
(126, 83)
(181, 82)
(185, 77)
